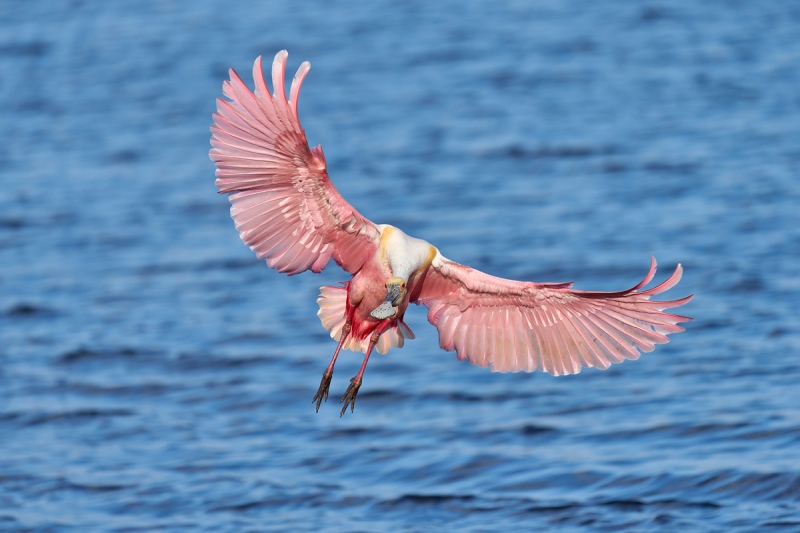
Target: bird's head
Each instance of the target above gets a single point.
(395, 291)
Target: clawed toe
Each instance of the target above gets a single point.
(324, 387)
(349, 396)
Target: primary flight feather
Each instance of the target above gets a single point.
(287, 211)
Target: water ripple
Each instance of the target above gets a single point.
(155, 375)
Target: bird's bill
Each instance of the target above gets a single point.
(385, 310)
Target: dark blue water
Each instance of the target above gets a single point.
(155, 376)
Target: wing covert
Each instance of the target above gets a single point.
(283, 203)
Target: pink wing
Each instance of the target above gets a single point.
(514, 325)
(283, 203)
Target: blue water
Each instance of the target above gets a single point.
(155, 376)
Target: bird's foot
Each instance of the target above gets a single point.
(349, 397)
(324, 386)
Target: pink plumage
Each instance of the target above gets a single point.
(287, 211)
(543, 326)
(284, 205)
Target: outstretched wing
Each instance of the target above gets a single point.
(514, 325)
(283, 203)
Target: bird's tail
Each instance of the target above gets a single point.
(332, 307)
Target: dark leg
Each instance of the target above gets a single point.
(325, 383)
(349, 397)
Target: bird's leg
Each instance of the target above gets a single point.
(325, 383)
(349, 397)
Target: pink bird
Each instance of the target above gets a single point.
(287, 211)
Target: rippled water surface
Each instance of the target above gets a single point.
(154, 375)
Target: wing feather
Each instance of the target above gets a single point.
(514, 344)
(515, 325)
(534, 345)
(480, 340)
(283, 203)
(583, 355)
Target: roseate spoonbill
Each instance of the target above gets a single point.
(287, 211)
